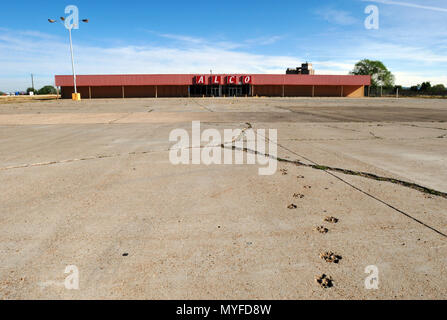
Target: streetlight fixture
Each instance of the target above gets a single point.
(76, 95)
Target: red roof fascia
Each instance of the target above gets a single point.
(125, 80)
(317, 80)
(187, 79)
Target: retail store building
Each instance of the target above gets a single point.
(213, 85)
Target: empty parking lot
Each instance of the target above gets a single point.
(90, 184)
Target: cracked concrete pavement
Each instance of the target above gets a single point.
(83, 183)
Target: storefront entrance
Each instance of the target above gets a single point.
(234, 91)
(215, 91)
(220, 90)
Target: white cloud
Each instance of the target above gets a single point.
(188, 39)
(408, 4)
(196, 41)
(336, 16)
(408, 79)
(395, 51)
(263, 41)
(23, 52)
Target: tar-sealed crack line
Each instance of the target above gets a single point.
(331, 170)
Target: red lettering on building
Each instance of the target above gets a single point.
(231, 80)
(200, 79)
(216, 80)
(222, 79)
(246, 79)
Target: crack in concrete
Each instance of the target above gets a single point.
(374, 136)
(329, 116)
(390, 206)
(41, 164)
(120, 118)
(315, 165)
(368, 175)
(346, 129)
(365, 175)
(423, 127)
(202, 106)
(365, 139)
(331, 170)
(327, 169)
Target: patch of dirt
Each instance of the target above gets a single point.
(325, 281)
(330, 257)
(322, 229)
(298, 196)
(331, 219)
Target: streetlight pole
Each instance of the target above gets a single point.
(72, 62)
(71, 52)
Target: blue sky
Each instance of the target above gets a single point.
(251, 36)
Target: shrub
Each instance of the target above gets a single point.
(47, 90)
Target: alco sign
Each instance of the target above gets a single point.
(216, 79)
(200, 79)
(219, 80)
(246, 79)
(232, 80)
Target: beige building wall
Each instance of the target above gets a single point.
(268, 91)
(67, 91)
(354, 91)
(298, 91)
(107, 92)
(172, 91)
(328, 91)
(139, 91)
(182, 91)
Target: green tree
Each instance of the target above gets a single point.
(400, 88)
(31, 90)
(425, 86)
(380, 75)
(438, 88)
(47, 90)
